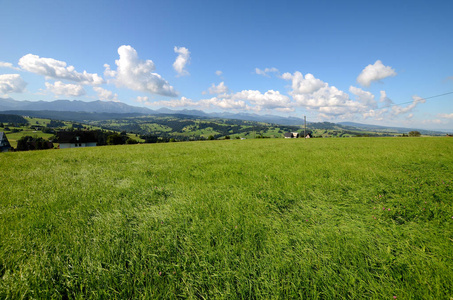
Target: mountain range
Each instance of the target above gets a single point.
(77, 110)
(74, 105)
(100, 107)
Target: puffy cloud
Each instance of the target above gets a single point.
(266, 71)
(181, 61)
(52, 68)
(377, 115)
(136, 74)
(108, 72)
(313, 93)
(446, 116)
(434, 121)
(363, 96)
(218, 73)
(375, 72)
(105, 95)
(11, 83)
(8, 65)
(183, 102)
(141, 99)
(247, 99)
(218, 89)
(384, 99)
(398, 110)
(60, 88)
(269, 100)
(223, 103)
(214, 102)
(304, 85)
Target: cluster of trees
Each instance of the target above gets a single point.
(54, 124)
(13, 119)
(120, 139)
(27, 143)
(412, 134)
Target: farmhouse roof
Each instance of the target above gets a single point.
(291, 134)
(4, 143)
(72, 137)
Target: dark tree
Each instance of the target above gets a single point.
(414, 133)
(54, 123)
(115, 139)
(131, 141)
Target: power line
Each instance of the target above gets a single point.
(310, 113)
(426, 98)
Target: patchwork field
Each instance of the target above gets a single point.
(264, 218)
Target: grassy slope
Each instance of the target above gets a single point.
(230, 219)
(14, 137)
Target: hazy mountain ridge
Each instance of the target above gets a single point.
(8, 104)
(77, 110)
(97, 106)
(381, 128)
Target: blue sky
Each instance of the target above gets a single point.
(329, 60)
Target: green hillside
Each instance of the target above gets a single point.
(235, 219)
(184, 127)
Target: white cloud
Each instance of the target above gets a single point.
(386, 100)
(250, 100)
(108, 71)
(8, 65)
(105, 95)
(183, 102)
(313, 93)
(304, 85)
(136, 74)
(218, 73)
(446, 116)
(223, 103)
(247, 99)
(363, 96)
(218, 89)
(60, 88)
(375, 72)
(52, 68)
(398, 110)
(11, 83)
(141, 99)
(435, 121)
(269, 100)
(214, 102)
(181, 61)
(266, 71)
(377, 115)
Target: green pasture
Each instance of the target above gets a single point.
(13, 137)
(356, 218)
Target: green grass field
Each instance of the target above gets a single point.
(14, 137)
(357, 218)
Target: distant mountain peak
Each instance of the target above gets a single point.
(97, 106)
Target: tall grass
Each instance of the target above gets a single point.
(318, 219)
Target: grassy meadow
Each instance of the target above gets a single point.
(355, 218)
